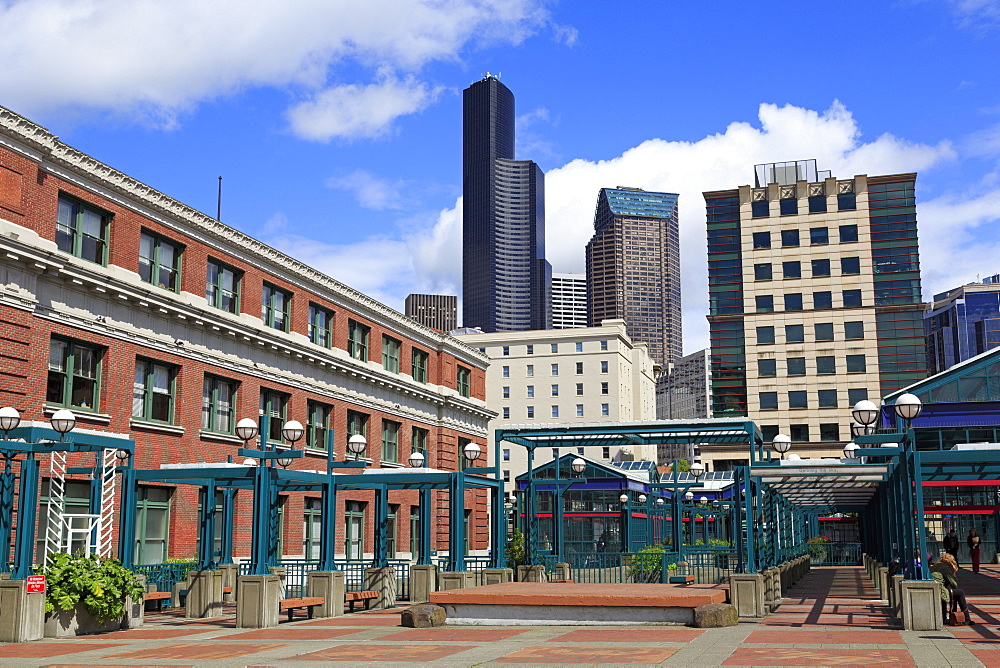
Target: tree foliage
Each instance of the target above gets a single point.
(101, 584)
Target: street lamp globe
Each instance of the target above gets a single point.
(9, 418)
(579, 465)
(284, 462)
(908, 406)
(660, 501)
(697, 470)
(703, 500)
(781, 444)
(849, 450)
(249, 461)
(122, 454)
(642, 498)
(793, 457)
(865, 412)
(688, 496)
(246, 429)
(63, 421)
(472, 451)
(623, 498)
(292, 431)
(416, 460)
(357, 444)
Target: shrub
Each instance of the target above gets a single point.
(647, 564)
(516, 552)
(101, 584)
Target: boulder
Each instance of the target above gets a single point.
(715, 615)
(423, 616)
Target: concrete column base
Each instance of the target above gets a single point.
(423, 582)
(135, 611)
(455, 580)
(500, 575)
(562, 572)
(526, 573)
(382, 580)
(330, 585)
(921, 603)
(229, 574)
(280, 572)
(772, 591)
(896, 591)
(204, 594)
(746, 593)
(882, 582)
(23, 617)
(257, 601)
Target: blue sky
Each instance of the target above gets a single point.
(337, 125)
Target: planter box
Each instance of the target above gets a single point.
(76, 622)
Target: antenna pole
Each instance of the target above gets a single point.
(218, 207)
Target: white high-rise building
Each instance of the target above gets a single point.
(569, 301)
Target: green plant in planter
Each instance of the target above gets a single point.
(647, 564)
(516, 550)
(101, 584)
(817, 548)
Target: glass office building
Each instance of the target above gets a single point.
(962, 323)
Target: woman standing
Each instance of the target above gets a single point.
(973, 541)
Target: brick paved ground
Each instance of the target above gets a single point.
(830, 619)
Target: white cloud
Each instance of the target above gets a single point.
(157, 59)
(370, 191)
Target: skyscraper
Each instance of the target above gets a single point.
(569, 301)
(633, 268)
(962, 323)
(505, 277)
(814, 300)
(438, 312)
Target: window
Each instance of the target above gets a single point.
(856, 364)
(153, 391)
(275, 307)
(418, 365)
(463, 381)
(829, 432)
(795, 333)
(788, 207)
(312, 527)
(506, 392)
(506, 372)
(848, 233)
(823, 299)
(760, 209)
(506, 412)
(826, 364)
(531, 412)
(796, 366)
(320, 328)
(357, 425)
(530, 349)
(768, 401)
(579, 410)
(817, 204)
(762, 272)
(606, 452)
(555, 411)
(354, 530)
(827, 398)
(555, 369)
(764, 303)
(604, 345)
(821, 267)
(824, 331)
(819, 235)
(852, 298)
(847, 202)
(579, 368)
(82, 230)
(605, 409)
(159, 261)
(761, 239)
(415, 531)
(850, 265)
(857, 394)
(767, 368)
(506, 350)
(789, 238)
(531, 391)
(799, 432)
(152, 520)
(506, 454)
(390, 441)
(791, 269)
(604, 366)
(275, 406)
(218, 400)
(74, 374)
(418, 442)
(357, 340)
(506, 475)
(222, 287)
(579, 346)
(555, 390)
(854, 330)
(798, 399)
(390, 354)
(317, 425)
(793, 301)
(765, 334)
(579, 389)
(604, 388)
(579, 451)
(769, 431)
(554, 347)
(529, 370)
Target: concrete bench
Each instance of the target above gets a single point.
(353, 597)
(158, 596)
(290, 605)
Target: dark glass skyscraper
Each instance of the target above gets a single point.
(505, 277)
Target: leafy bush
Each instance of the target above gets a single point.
(647, 564)
(516, 551)
(101, 584)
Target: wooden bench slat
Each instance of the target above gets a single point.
(303, 602)
(155, 595)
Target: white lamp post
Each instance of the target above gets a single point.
(865, 412)
(579, 465)
(908, 407)
(246, 429)
(356, 445)
(416, 460)
(292, 431)
(471, 452)
(697, 470)
(63, 421)
(688, 496)
(781, 444)
(9, 419)
(849, 450)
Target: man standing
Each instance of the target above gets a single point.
(951, 544)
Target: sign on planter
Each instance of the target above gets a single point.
(36, 584)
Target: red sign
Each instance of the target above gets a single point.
(36, 584)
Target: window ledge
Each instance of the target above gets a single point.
(157, 426)
(81, 416)
(391, 465)
(224, 438)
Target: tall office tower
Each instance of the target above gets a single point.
(684, 391)
(634, 268)
(505, 277)
(962, 323)
(438, 312)
(569, 301)
(814, 299)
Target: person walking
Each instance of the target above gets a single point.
(951, 544)
(973, 541)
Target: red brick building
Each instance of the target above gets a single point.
(148, 318)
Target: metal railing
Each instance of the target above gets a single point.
(621, 568)
(835, 554)
(164, 575)
(710, 565)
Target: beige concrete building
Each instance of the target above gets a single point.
(580, 375)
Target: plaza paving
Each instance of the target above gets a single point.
(829, 619)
